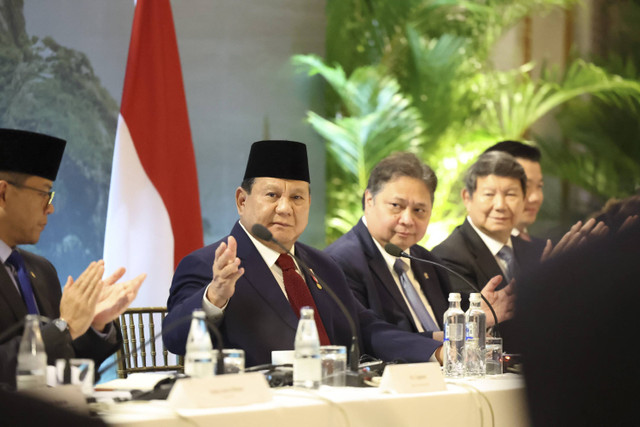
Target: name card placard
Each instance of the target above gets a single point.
(219, 391)
(413, 378)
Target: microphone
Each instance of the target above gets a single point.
(353, 377)
(395, 250)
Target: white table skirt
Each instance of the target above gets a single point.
(465, 403)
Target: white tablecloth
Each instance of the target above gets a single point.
(498, 401)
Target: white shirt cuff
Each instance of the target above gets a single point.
(214, 313)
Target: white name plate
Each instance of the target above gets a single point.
(220, 390)
(413, 378)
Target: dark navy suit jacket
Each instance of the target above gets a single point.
(46, 289)
(259, 319)
(373, 284)
(465, 252)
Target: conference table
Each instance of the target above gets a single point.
(492, 401)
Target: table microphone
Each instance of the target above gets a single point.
(354, 379)
(395, 250)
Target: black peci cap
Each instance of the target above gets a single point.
(30, 153)
(278, 159)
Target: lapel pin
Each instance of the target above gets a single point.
(313, 276)
(426, 275)
(32, 274)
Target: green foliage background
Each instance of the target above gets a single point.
(417, 75)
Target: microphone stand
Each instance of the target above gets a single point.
(353, 376)
(395, 250)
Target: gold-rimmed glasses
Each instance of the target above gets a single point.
(48, 194)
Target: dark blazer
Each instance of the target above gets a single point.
(47, 291)
(259, 319)
(465, 252)
(372, 282)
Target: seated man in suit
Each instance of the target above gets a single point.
(253, 289)
(482, 247)
(29, 284)
(397, 209)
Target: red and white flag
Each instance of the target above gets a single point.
(153, 217)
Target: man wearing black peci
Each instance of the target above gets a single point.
(245, 284)
(83, 312)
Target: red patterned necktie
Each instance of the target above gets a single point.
(299, 294)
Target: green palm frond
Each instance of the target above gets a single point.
(522, 101)
(417, 75)
(378, 120)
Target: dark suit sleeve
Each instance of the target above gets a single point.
(461, 264)
(388, 342)
(384, 340)
(58, 345)
(8, 360)
(357, 276)
(187, 290)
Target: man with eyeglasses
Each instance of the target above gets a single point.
(84, 311)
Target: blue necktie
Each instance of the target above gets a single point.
(416, 303)
(15, 260)
(506, 254)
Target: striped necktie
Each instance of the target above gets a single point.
(506, 254)
(410, 292)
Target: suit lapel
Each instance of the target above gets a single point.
(324, 303)
(260, 277)
(10, 294)
(378, 266)
(41, 289)
(427, 277)
(484, 259)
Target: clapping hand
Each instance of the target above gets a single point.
(115, 298)
(79, 298)
(502, 301)
(577, 235)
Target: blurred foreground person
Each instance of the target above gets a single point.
(575, 316)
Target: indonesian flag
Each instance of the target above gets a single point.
(153, 217)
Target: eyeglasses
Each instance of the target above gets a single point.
(49, 194)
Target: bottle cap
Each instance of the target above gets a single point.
(198, 314)
(454, 297)
(306, 311)
(475, 297)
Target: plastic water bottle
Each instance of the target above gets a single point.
(454, 338)
(31, 371)
(475, 333)
(198, 362)
(307, 368)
